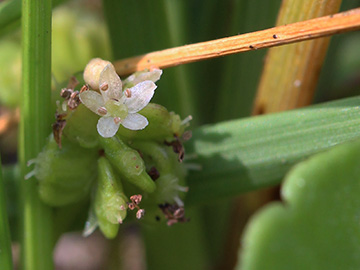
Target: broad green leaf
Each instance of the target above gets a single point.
(242, 155)
(318, 225)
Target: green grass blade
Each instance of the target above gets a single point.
(5, 239)
(242, 155)
(35, 126)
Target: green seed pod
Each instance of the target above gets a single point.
(128, 163)
(65, 175)
(110, 201)
(163, 125)
(81, 127)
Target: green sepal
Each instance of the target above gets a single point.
(163, 125)
(127, 162)
(110, 200)
(65, 175)
(81, 127)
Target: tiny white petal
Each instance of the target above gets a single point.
(135, 121)
(107, 127)
(92, 100)
(109, 76)
(136, 78)
(141, 95)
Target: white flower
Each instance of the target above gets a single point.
(117, 107)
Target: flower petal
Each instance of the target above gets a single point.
(141, 76)
(107, 127)
(92, 100)
(135, 121)
(110, 78)
(140, 96)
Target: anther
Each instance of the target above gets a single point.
(104, 86)
(140, 213)
(102, 111)
(127, 93)
(117, 120)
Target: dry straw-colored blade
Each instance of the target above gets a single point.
(306, 30)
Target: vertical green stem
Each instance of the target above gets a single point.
(5, 241)
(35, 126)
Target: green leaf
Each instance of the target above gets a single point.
(242, 155)
(318, 228)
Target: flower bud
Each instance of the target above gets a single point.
(92, 72)
(128, 163)
(110, 201)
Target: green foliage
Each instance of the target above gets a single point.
(317, 227)
(235, 156)
(242, 155)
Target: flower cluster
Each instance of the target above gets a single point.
(90, 156)
(118, 105)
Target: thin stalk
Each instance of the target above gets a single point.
(35, 126)
(5, 239)
(281, 35)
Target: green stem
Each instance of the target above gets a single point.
(5, 239)
(35, 124)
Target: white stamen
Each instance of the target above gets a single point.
(29, 175)
(31, 162)
(178, 201)
(182, 189)
(186, 120)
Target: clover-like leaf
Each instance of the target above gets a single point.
(318, 227)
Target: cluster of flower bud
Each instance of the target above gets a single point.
(109, 141)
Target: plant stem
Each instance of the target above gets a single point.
(5, 239)
(34, 128)
(300, 31)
